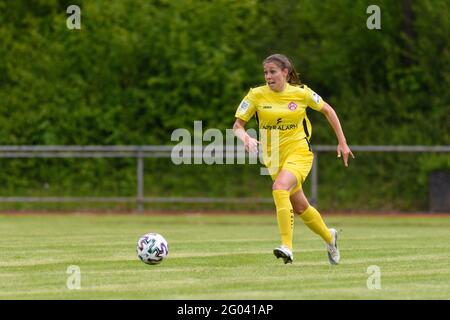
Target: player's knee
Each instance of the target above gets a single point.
(280, 185)
(300, 208)
(300, 204)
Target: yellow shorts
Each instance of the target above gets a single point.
(296, 160)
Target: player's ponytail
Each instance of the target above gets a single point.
(284, 62)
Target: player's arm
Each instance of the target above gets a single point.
(333, 119)
(251, 144)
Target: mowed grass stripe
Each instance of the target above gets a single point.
(195, 255)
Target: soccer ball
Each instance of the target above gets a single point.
(152, 248)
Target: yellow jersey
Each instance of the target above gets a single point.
(283, 112)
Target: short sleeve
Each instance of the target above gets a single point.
(247, 107)
(313, 100)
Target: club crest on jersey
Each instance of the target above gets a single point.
(292, 106)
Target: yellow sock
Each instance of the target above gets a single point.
(313, 220)
(285, 216)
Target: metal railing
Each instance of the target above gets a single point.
(142, 152)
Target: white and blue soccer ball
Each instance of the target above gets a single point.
(152, 248)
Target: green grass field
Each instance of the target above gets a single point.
(221, 257)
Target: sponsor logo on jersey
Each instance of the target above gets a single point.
(292, 106)
(267, 107)
(279, 120)
(281, 127)
(316, 97)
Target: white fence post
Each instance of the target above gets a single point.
(140, 182)
(314, 179)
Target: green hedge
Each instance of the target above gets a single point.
(137, 70)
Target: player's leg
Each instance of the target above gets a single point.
(310, 216)
(300, 163)
(282, 185)
(313, 220)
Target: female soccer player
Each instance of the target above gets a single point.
(280, 110)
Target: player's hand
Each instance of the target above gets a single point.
(251, 144)
(344, 150)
